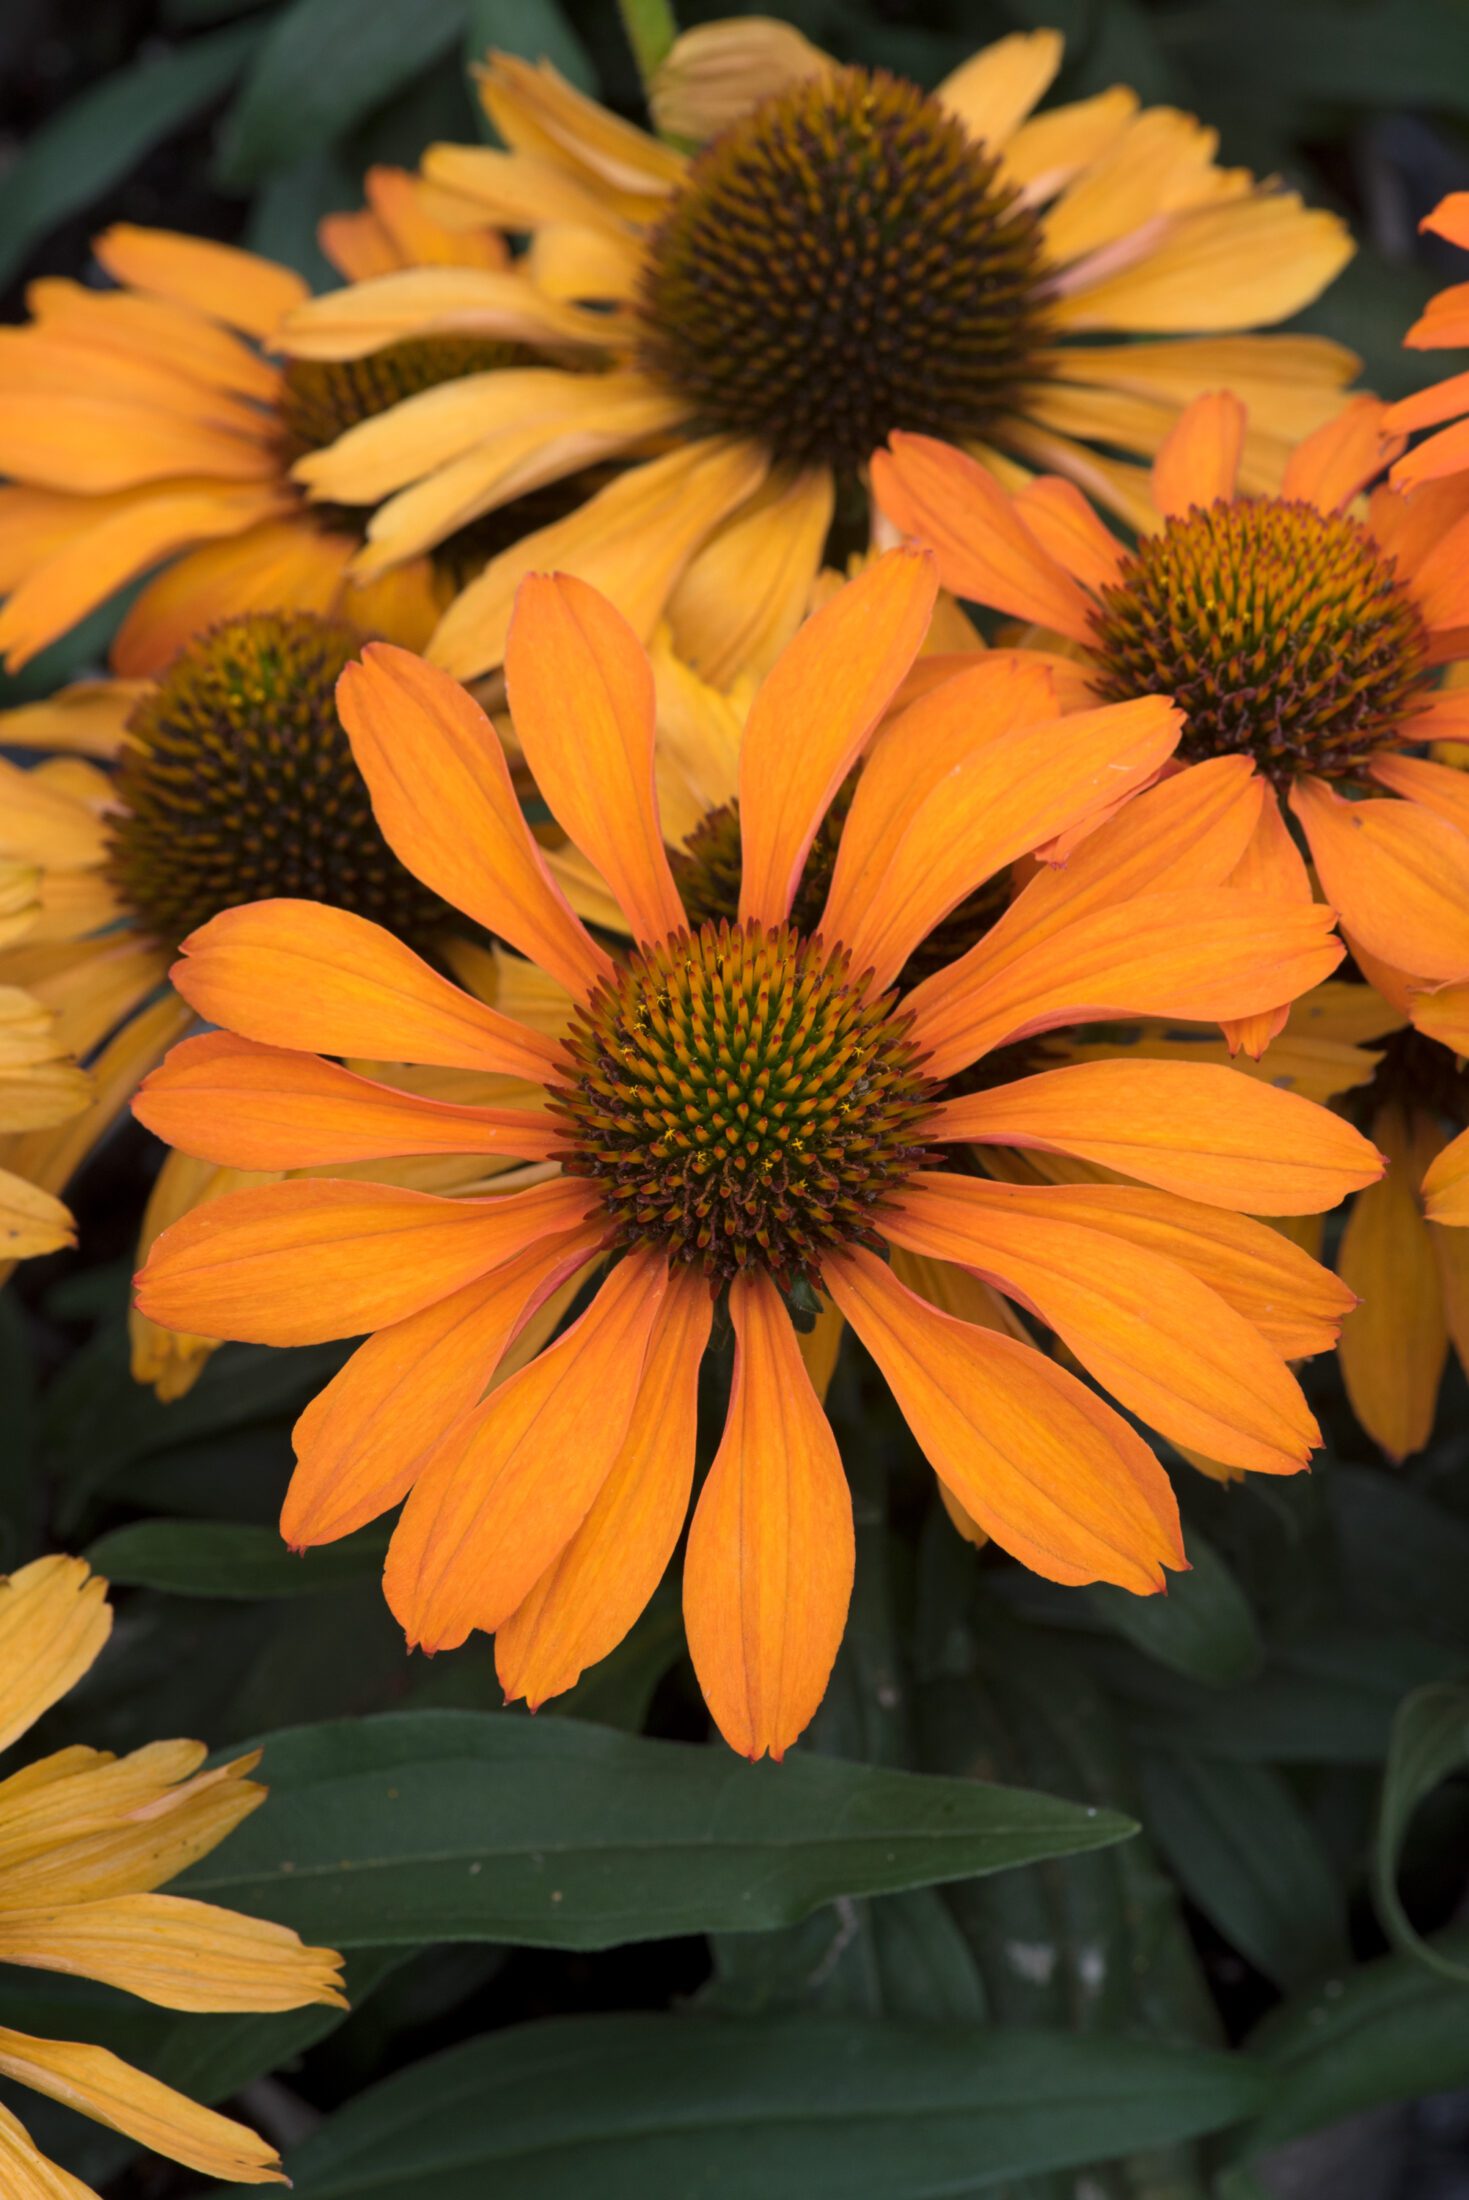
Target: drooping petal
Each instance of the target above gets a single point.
(1272, 865)
(1169, 1348)
(1397, 875)
(986, 553)
(54, 1620)
(589, 1596)
(510, 1486)
(812, 715)
(98, 2084)
(1394, 1347)
(1204, 1131)
(768, 1574)
(1199, 462)
(442, 795)
(991, 806)
(362, 1440)
(742, 596)
(175, 1953)
(581, 692)
(1044, 1467)
(298, 974)
(317, 1258)
(245, 1106)
(1199, 956)
(28, 2173)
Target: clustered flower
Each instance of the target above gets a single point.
(790, 723)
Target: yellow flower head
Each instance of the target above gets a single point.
(86, 1841)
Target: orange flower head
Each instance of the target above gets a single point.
(751, 1107)
(781, 306)
(237, 783)
(1281, 631)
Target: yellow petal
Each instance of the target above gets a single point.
(54, 1619)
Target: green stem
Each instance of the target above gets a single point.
(651, 28)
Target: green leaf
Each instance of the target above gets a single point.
(1430, 1740)
(441, 1825)
(1388, 2031)
(631, 2105)
(103, 133)
(209, 1558)
(323, 68)
(1377, 53)
(1202, 1625)
(1247, 1855)
(1403, 1559)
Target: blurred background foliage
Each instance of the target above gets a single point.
(1291, 1724)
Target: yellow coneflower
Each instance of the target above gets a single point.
(750, 1111)
(145, 430)
(86, 1841)
(768, 331)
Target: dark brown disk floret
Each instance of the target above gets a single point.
(741, 1102)
(1282, 631)
(237, 784)
(844, 261)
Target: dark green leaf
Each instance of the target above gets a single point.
(1387, 2031)
(323, 68)
(208, 1558)
(103, 133)
(436, 1825)
(1375, 52)
(1430, 1740)
(1248, 1856)
(631, 2105)
(1403, 1558)
(1202, 1625)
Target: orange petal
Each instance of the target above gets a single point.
(1395, 1346)
(1275, 1284)
(1207, 1132)
(768, 1575)
(1446, 1184)
(239, 288)
(441, 793)
(986, 552)
(282, 564)
(313, 1259)
(509, 1487)
(1398, 876)
(1169, 1348)
(1201, 956)
(246, 1106)
(1199, 461)
(813, 713)
(978, 804)
(581, 691)
(298, 974)
(1041, 1465)
(1191, 829)
(1271, 864)
(1438, 787)
(1332, 465)
(1070, 530)
(587, 1599)
(362, 1441)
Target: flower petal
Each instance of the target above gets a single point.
(54, 1620)
(1446, 1184)
(1334, 464)
(1207, 1132)
(1395, 1346)
(589, 1596)
(313, 1259)
(239, 288)
(1437, 787)
(361, 1442)
(768, 1574)
(245, 1106)
(1047, 1470)
(986, 552)
(581, 692)
(509, 1487)
(813, 713)
(742, 596)
(1168, 1348)
(298, 974)
(1397, 875)
(1199, 462)
(175, 1953)
(442, 795)
(994, 91)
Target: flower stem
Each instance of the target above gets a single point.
(651, 28)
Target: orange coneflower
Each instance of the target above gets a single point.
(144, 430)
(88, 1840)
(1287, 628)
(747, 1111)
(768, 331)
